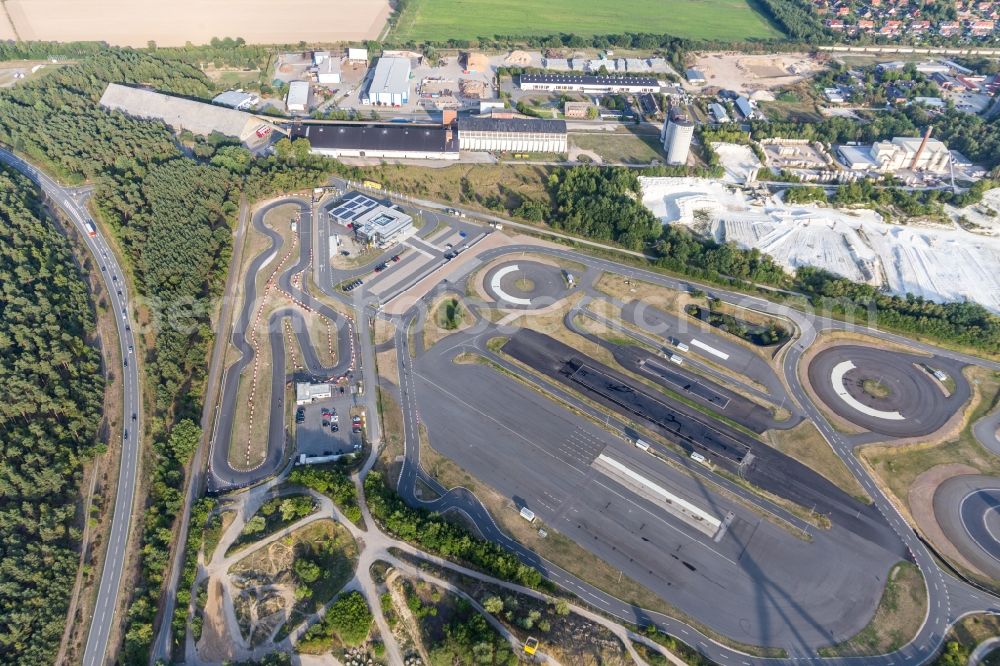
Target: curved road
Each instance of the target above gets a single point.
(72, 204)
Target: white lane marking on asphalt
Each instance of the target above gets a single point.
(837, 379)
(711, 350)
(495, 285)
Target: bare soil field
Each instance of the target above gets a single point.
(135, 22)
(746, 73)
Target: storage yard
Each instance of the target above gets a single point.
(937, 263)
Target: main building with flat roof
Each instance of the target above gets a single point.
(373, 221)
(391, 141)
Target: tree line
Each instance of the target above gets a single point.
(51, 396)
(434, 534)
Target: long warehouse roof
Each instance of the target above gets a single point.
(564, 79)
(373, 137)
(522, 125)
(180, 113)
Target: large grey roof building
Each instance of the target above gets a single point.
(399, 141)
(182, 114)
(390, 84)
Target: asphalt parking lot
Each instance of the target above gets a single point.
(759, 584)
(313, 438)
(765, 467)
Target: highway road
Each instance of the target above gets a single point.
(73, 205)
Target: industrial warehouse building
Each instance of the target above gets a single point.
(298, 96)
(589, 84)
(390, 84)
(391, 141)
(185, 114)
(527, 135)
(374, 222)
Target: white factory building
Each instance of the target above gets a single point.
(527, 135)
(676, 135)
(298, 96)
(596, 85)
(903, 153)
(390, 84)
(328, 71)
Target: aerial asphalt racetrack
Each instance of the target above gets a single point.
(968, 510)
(948, 598)
(524, 284)
(913, 403)
(223, 474)
(71, 203)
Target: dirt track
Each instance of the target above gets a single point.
(135, 22)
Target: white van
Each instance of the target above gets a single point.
(674, 358)
(641, 445)
(682, 346)
(698, 458)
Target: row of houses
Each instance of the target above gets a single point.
(904, 18)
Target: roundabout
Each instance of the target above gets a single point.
(887, 392)
(968, 510)
(528, 285)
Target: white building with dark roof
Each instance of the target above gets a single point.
(380, 140)
(589, 84)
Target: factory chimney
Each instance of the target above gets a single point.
(920, 150)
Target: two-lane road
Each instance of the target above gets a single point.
(71, 202)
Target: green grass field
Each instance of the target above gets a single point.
(440, 20)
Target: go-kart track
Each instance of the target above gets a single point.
(224, 474)
(525, 284)
(887, 392)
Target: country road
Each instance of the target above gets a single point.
(73, 205)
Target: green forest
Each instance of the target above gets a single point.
(172, 215)
(51, 394)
